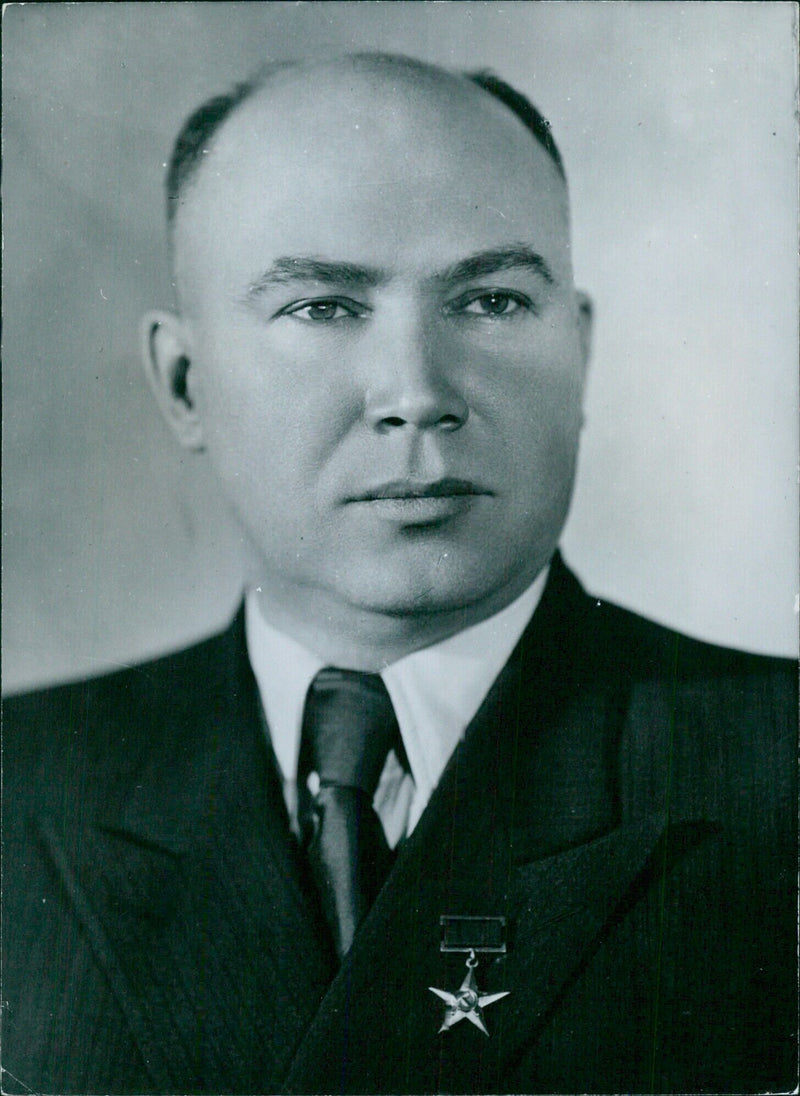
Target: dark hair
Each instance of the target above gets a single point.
(199, 129)
(524, 110)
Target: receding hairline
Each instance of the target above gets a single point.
(202, 128)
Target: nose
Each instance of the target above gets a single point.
(409, 386)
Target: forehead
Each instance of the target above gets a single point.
(387, 164)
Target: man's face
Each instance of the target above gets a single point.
(386, 350)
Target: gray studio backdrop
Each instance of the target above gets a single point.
(677, 125)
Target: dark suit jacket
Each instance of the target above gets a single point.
(624, 797)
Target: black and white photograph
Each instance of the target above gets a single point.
(400, 547)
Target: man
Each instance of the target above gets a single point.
(571, 867)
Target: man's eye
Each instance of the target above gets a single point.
(324, 310)
(492, 303)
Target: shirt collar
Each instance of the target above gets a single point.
(283, 670)
(436, 691)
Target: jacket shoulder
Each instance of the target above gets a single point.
(111, 723)
(649, 647)
(601, 636)
(745, 702)
(721, 712)
(722, 722)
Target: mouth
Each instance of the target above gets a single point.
(416, 489)
(416, 502)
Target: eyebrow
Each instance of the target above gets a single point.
(290, 270)
(496, 260)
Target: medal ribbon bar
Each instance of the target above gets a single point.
(481, 935)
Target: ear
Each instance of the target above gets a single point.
(166, 352)
(585, 310)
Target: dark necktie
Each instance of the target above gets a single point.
(349, 726)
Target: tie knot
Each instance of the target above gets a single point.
(349, 726)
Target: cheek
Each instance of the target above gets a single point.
(534, 376)
(534, 405)
(542, 432)
(252, 406)
(247, 437)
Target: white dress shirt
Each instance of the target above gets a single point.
(435, 691)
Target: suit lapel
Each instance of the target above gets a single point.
(194, 899)
(526, 823)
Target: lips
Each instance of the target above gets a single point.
(416, 503)
(415, 489)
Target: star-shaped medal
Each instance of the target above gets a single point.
(467, 1004)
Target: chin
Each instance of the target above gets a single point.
(450, 585)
